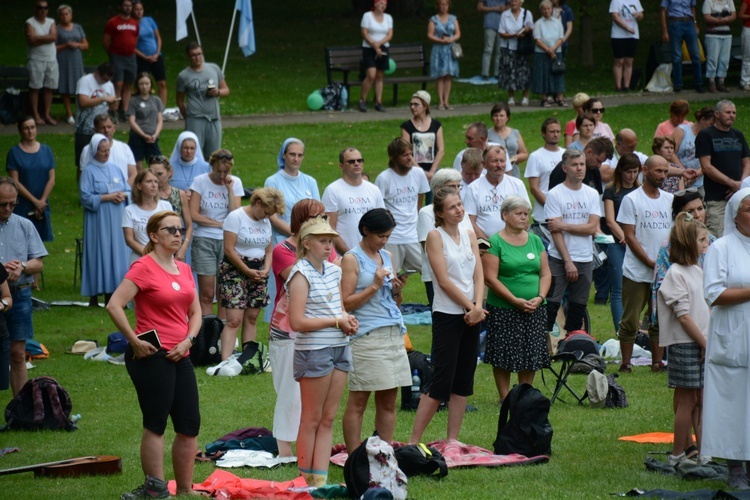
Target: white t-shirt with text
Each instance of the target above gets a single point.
(253, 236)
(137, 218)
(574, 207)
(652, 219)
(484, 200)
(400, 195)
(351, 203)
(214, 203)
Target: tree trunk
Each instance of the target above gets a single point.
(586, 40)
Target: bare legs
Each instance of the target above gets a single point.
(373, 78)
(426, 410)
(18, 373)
(444, 91)
(320, 400)
(248, 318)
(66, 105)
(685, 403)
(162, 89)
(45, 117)
(502, 380)
(183, 456)
(207, 290)
(622, 70)
(385, 416)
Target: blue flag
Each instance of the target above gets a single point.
(246, 34)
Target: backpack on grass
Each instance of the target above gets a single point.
(421, 362)
(527, 431)
(207, 347)
(41, 403)
(373, 465)
(616, 397)
(259, 363)
(420, 459)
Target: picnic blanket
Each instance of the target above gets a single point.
(225, 485)
(458, 454)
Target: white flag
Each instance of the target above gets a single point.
(184, 9)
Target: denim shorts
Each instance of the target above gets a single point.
(320, 362)
(207, 254)
(18, 318)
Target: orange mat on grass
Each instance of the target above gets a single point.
(650, 437)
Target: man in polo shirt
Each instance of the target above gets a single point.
(348, 199)
(483, 198)
(21, 251)
(572, 210)
(119, 40)
(403, 186)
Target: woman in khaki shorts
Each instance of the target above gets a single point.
(372, 292)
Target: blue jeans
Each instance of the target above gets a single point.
(718, 48)
(615, 257)
(679, 31)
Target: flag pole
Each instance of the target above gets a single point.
(229, 40)
(195, 24)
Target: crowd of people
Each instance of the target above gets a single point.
(672, 225)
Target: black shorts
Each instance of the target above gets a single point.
(370, 59)
(142, 149)
(624, 48)
(165, 389)
(125, 68)
(156, 68)
(454, 356)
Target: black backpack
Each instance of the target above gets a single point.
(207, 348)
(41, 403)
(528, 431)
(375, 467)
(421, 362)
(420, 459)
(616, 397)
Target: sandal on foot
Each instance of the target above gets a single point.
(692, 452)
(658, 367)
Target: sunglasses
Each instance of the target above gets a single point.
(173, 230)
(598, 110)
(9, 204)
(157, 159)
(683, 192)
(354, 161)
(42, 7)
(224, 156)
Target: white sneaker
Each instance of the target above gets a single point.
(71, 120)
(681, 458)
(511, 102)
(229, 368)
(525, 101)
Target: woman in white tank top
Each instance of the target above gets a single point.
(458, 281)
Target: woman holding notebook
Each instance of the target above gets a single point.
(168, 318)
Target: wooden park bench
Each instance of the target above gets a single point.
(412, 66)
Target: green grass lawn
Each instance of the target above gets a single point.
(587, 460)
(290, 38)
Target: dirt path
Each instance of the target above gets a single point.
(402, 113)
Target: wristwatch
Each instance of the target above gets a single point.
(23, 265)
(4, 302)
(192, 338)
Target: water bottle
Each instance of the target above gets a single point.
(344, 98)
(416, 392)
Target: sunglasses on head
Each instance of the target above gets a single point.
(683, 192)
(173, 230)
(157, 159)
(224, 156)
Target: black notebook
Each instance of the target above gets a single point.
(151, 337)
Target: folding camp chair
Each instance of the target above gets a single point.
(567, 360)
